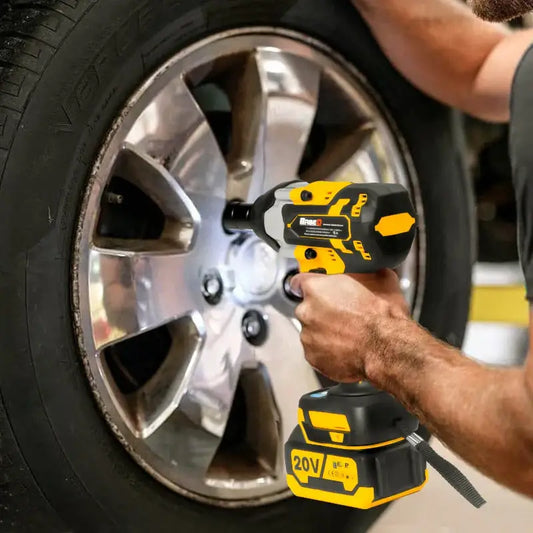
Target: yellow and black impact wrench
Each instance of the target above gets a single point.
(354, 445)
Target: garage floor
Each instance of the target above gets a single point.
(496, 336)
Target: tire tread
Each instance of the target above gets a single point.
(23, 507)
(30, 35)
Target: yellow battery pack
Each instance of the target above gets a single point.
(347, 450)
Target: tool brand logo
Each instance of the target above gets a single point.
(310, 221)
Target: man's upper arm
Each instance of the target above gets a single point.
(449, 53)
(493, 83)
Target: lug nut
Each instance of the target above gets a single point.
(212, 287)
(254, 328)
(287, 289)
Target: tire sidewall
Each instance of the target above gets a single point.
(81, 468)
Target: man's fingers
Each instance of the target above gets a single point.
(300, 283)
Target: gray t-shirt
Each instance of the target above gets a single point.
(521, 150)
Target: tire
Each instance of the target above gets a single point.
(66, 68)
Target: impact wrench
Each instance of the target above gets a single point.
(354, 445)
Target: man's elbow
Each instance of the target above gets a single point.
(490, 108)
(490, 95)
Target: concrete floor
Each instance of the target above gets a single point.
(438, 508)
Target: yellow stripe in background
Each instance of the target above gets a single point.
(500, 304)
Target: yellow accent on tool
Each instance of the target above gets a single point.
(395, 224)
(353, 447)
(337, 243)
(361, 202)
(336, 437)
(329, 421)
(322, 192)
(325, 258)
(358, 245)
(336, 208)
(362, 499)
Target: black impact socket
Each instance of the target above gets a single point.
(237, 217)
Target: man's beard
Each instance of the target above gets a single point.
(500, 10)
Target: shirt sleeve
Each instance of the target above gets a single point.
(521, 151)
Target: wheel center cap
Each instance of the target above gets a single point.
(256, 268)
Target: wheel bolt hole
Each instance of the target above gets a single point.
(212, 288)
(254, 328)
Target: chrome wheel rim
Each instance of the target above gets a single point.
(186, 333)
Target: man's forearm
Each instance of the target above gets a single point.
(483, 414)
(444, 50)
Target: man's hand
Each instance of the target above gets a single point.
(339, 317)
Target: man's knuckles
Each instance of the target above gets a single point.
(311, 314)
(306, 338)
(303, 312)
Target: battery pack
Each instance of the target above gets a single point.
(347, 450)
(354, 478)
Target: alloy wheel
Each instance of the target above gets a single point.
(187, 333)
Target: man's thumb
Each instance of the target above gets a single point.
(298, 284)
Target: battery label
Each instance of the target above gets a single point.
(321, 227)
(306, 464)
(341, 469)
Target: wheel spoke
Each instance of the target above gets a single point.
(182, 217)
(174, 130)
(204, 410)
(366, 166)
(369, 163)
(160, 396)
(274, 105)
(212, 387)
(339, 152)
(138, 291)
(182, 442)
(283, 357)
(263, 422)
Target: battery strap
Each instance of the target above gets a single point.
(446, 469)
